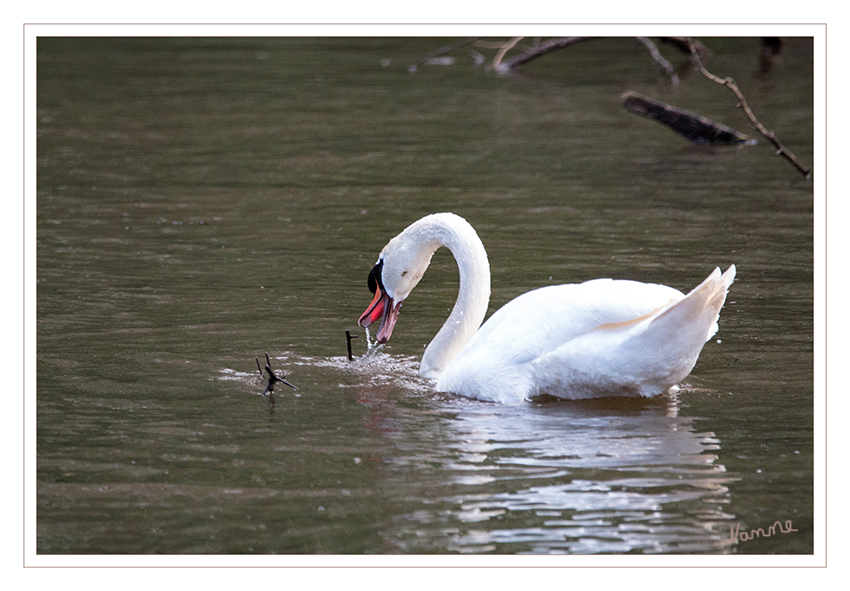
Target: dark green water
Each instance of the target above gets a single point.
(203, 201)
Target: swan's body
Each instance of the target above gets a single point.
(599, 338)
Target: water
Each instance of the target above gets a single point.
(204, 201)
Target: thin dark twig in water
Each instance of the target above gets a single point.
(273, 379)
(730, 84)
(348, 337)
(660, 59)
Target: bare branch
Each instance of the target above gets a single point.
(660, 59)
(730, 84)
(504, 49)
(542, 49)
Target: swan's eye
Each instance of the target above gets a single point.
(375, 277)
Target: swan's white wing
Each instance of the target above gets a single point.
(541, 321)
(642, 357)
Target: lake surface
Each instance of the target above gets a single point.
(204, 201)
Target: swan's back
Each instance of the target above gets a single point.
(600, 338)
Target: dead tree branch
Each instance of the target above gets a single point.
(542, 49)
(505, 49)
(730, 84)
(660, 59)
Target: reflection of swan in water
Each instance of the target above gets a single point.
(574, 477)
(593, 476)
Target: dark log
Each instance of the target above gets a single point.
(697, 129)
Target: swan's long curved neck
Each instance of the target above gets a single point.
(469, 310)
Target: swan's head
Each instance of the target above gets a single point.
(400, 266)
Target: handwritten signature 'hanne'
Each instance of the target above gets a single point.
(744, 536)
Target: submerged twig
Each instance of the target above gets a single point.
(348, 337)
(273, 379)
(742, 102)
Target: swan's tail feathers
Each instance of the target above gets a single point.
(718, 297)
(698, 311)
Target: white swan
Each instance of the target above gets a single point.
(594, 339)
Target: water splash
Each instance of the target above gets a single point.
(372, 347)
(369, 344)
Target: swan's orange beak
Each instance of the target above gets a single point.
(382, 307)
